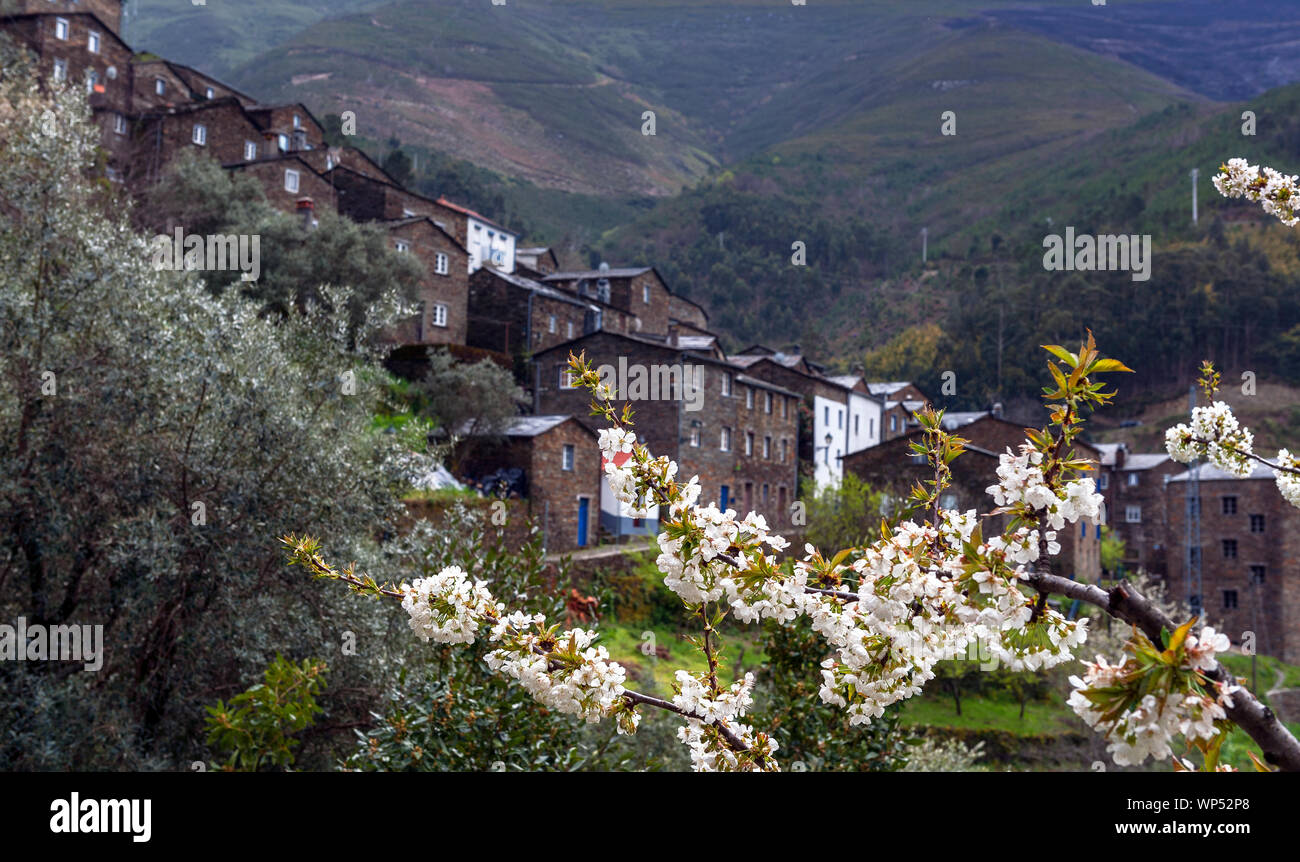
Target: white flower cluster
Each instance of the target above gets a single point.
(447, 607)
(708, 752)
(1147, 728)
(1275, 191)
(590, 686)
(1021, 480)
(1288, 483)
(1215, 434)
(691, 563)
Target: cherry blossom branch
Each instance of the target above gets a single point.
(1125, 603)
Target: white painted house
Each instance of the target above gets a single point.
(866, 413)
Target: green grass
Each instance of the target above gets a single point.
(993, 712)
(624, 644)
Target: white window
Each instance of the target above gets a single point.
(290, 180)
(60, 70)
(550, 323)
(695, 437)
(1132, 480)
(283, 142)
(119, 124)
(767, 402)
(1103, 481)
(725, 443)
(567, 462)
(200, 134)
(92, 42)
(250, 150)
(566, 378)
(61, 28)
(749, 442)
(402, 246)
(439, 314)
(210, 93)
(568, 329)
(726, 384)
(159, 86)
(440, 264)
(893, 423)
(749, 397)
(1133, 514)
(767, 448)
(645, 293)
(92, 78)
(297, 121)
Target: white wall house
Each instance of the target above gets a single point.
(830, 439)
(865, 417)
(489, 245)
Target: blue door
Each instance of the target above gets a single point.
(722, 498)
(582, 521)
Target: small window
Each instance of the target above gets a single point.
(283, 142)
(119, 124)
(1132, 480)
(767, 448)
(402, 246)
(1133, 514)
(695, 438)
(749, 397)
(857, 425)
(439, 314)
(297, 121)
(290, 180)
(160, 86)
(827, 415)
(566, 378)
(210, 93)
(1103, 480)
(948, 501)
(645, 294)
(567, 463)
(550, 323)
(1257, 574)
(250, 150)
(1229, 599)
(440, 265)
(1257, 523)
(568, 329)
(724, 442)
(726, 385)
(918, 458)
(1230, 549)
(893, 423)
(200, 134)
(61, 28)
(839, 418)
(785, 407)
(92, 80)
(785, 450)
(92, 42)
(749, 442)
(60, 70)
(767, 403)
(1229, 505)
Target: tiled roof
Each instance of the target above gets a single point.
(879, 388)
(1210, 473)
(1144, 461)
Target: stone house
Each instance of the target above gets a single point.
(1249, 554)
(560, 462)
(444, 311)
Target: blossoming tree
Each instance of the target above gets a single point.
(929, 587)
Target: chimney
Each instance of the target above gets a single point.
(299, 140)
(306, 209)
(997, 409)
(1120, 452)
(673, 340)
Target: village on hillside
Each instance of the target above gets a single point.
(760, 426)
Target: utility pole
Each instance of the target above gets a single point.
(1193, 576)
(1196, 172)
(925, 237)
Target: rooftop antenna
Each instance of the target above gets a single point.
(1196, 172)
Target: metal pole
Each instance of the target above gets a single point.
(925, 242)
(1195, 173)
